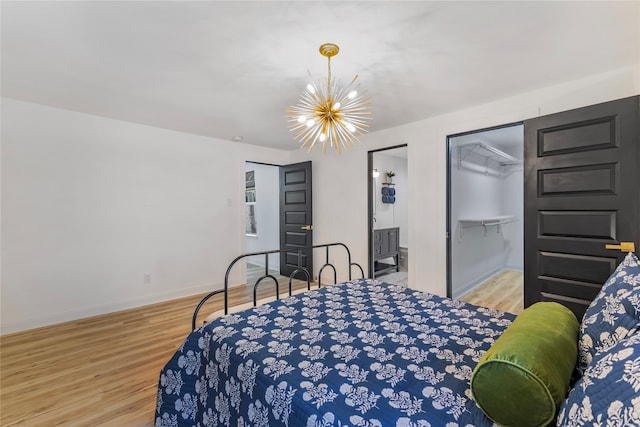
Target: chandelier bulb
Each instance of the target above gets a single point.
(310, 123)
(322, 137)
(310, 88)
(350, 127)
(352, 94)
(302, 119)
(336, 105)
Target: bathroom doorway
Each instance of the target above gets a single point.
(389, 214)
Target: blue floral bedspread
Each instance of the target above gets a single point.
(362, 353)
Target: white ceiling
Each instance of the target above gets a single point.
(231, 68)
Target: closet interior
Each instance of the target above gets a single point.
(486, 206)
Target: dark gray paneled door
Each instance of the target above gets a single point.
(296, 230)
(582, 191)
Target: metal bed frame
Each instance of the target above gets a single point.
(266, 275)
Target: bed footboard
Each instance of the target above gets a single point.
(296, 272)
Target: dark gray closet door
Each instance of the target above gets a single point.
(582, 191)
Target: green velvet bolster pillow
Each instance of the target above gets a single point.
(523, 378)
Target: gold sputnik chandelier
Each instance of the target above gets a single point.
(332, 115)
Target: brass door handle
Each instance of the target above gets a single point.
(623, 246)
(307, 227)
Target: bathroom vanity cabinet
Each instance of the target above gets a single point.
(386, 251)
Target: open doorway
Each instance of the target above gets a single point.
(262, 217)
(388, 214)
(278, 217)
(486, 217)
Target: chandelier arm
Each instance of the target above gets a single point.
(359, 129)
(332, 136)
(341, 138)
(316, 139)
(302, 135)
(313, 143)
(360, 112)
(360, 119)
(309, 137)
(345, 136)
(357, 102)
(306, 134)
(341, 93)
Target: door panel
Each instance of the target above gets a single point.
(295, 216)
(587, 225)
(582, 191)
(590, 180)
(575, 137)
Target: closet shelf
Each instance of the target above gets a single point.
(486, 222)
(488, 152)
(492, 220)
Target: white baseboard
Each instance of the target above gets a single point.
(513, 267)
(468, 287)
(35, 321)
(472, 285)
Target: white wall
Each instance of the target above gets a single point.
(342, 215)
(91, 205)
(267, 213)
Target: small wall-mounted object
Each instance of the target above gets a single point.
(389, 175)
(388, 194)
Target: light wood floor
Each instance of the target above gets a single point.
(504, 291)
(104, 370)
(101, 370)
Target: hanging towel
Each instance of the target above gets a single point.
(388, 191)
(388, 199)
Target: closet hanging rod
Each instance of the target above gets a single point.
(486, 222)
(489, 152)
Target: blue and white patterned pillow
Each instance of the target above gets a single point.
(613, 315)
(609, 392)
